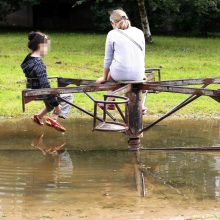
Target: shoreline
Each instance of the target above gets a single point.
(145, 118)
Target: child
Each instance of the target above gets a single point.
(35, 71)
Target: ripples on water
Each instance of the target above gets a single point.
(88, 169)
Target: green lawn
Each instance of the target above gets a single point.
(81, 56)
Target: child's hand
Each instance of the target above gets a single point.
(57, 109)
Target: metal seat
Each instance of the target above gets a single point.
(113, 125)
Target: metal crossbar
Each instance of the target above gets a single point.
(132, 89)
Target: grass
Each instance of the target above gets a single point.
(81, 56)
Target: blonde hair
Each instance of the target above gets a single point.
(120, 18)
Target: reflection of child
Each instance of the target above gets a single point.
(39, 144)
(35, 71)
(61, 156)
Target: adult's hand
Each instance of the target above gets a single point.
(100, 80)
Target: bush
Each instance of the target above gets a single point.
(165, 16)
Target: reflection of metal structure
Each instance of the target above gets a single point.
(139, 174)
(128, 93)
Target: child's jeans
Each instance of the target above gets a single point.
(65, 108)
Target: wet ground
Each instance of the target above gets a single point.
(45, 174)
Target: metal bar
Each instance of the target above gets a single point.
(181, 105)
(182, 82)
(159, 75)
(110, 115)
(121, 91)
(96, 101)
(169, 113)
(189, 98)
(49, 77)
(66, 90)
(183, 90)
(149, 70)
(104, 111)
(89, 96)
(113, 97)
(81, 109)
(135, 117)
(23, 102)
(144, 86)
(95, 114)
(78, 82)
(182, 149)
(121, 113)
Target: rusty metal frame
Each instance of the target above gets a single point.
(107, 101)
(182, 90)
(175, 109)
(183, 82)
(128, 87)
(174, 86)
(80, 109)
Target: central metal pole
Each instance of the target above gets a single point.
(135, 117)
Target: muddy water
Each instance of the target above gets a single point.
(83, 175)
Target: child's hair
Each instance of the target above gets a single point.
(36, 38)
(120, 17)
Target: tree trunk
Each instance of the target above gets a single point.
(144, 20)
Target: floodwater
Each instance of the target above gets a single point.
(81, 174)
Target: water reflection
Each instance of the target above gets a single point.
(62, 162)
(37, 173)
(217, 178)
(34, 174)
(193, 174)
(79, 135)
(139, 173)
(38, 143)
(107, 179)
(28, 173)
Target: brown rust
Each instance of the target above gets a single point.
(76, 89)
(209, 81)
(184, 82)
(135, 116)
(122, 90)
(183, 90)
(133, 90)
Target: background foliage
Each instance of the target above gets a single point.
(165, 16)
(8, 6)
